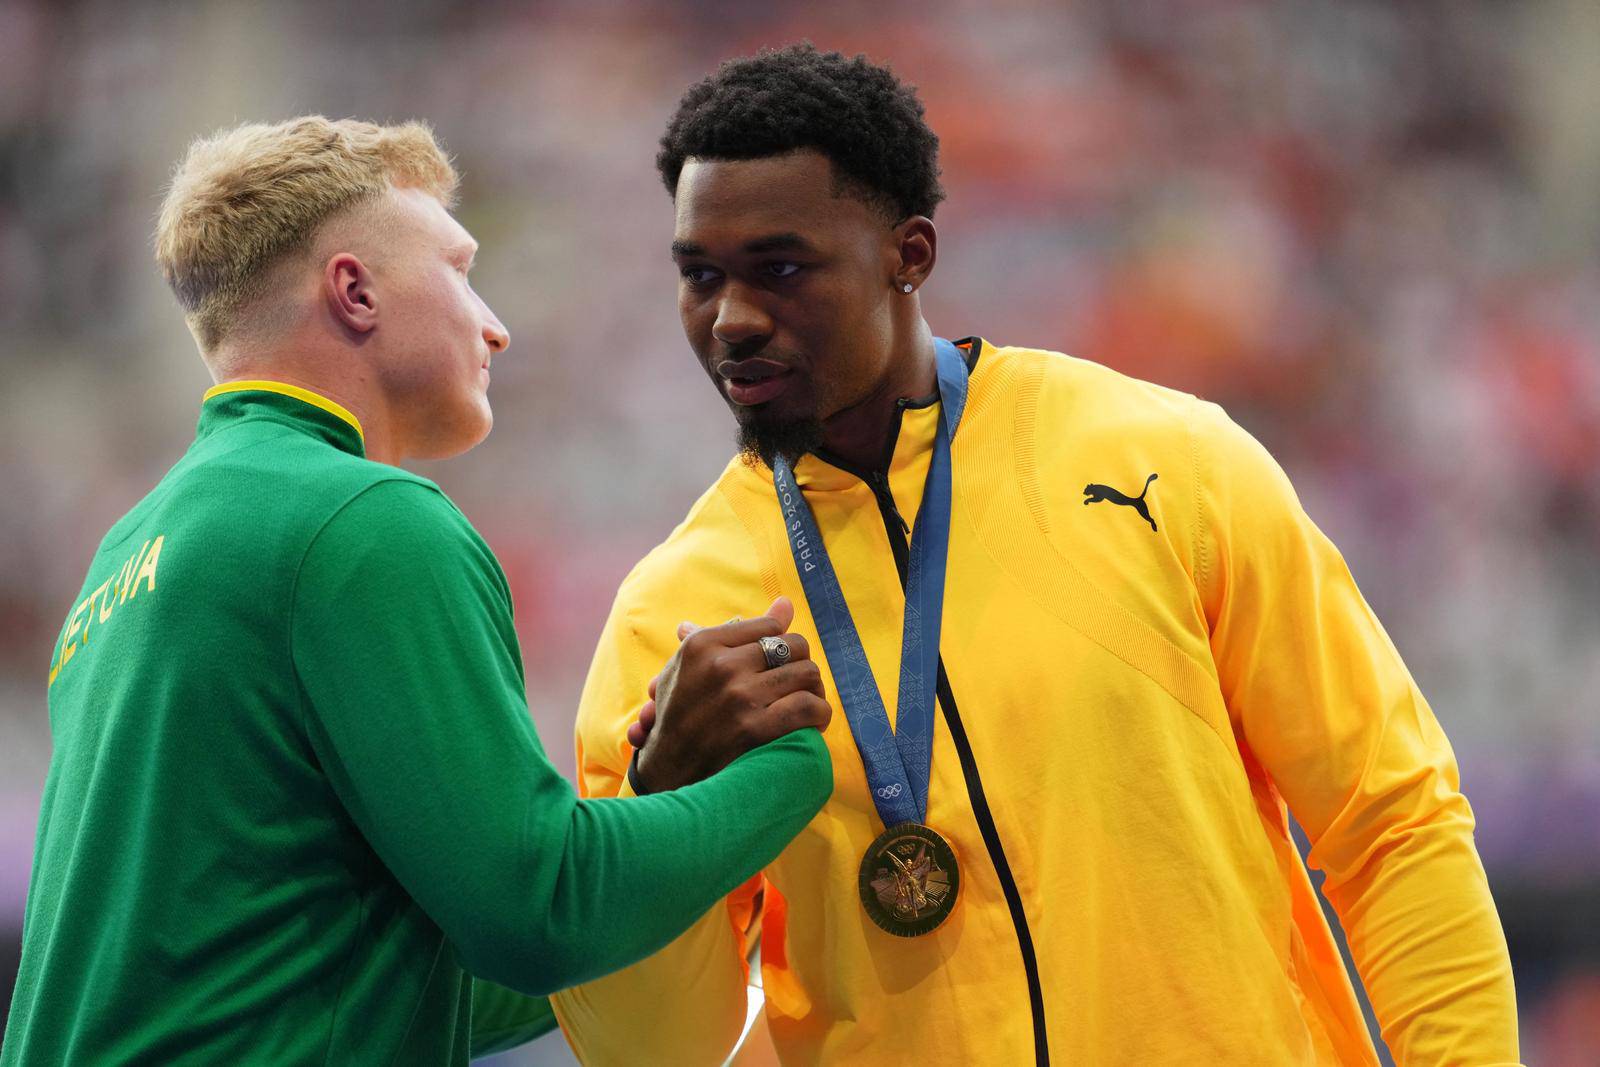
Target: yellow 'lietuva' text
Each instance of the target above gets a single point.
(139, 571)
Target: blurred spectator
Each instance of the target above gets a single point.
(1372, 231)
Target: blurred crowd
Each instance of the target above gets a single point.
(1369, 230)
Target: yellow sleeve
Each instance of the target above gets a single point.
(687, 1003)
(1322, 699)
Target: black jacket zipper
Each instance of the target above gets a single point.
(895, 526)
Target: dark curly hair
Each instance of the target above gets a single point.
(857, 114)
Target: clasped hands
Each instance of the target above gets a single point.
(717, 699)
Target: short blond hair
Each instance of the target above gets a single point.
(245, 198)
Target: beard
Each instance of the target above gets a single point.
(765, 439)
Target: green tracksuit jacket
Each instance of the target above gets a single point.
(296, 801)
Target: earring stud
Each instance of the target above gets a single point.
(906, 288)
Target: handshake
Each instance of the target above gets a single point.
(726, 690)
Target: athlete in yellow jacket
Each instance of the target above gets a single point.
(1149, 656)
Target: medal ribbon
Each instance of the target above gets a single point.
(897, 760)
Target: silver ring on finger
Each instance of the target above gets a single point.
(776, 651)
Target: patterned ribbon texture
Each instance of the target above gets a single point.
(897, 760)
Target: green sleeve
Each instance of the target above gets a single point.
(503, 1018)
(401, 635)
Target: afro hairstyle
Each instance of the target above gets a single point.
(857, 114)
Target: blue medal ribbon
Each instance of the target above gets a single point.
(898, 760)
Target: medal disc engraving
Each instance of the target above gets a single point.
(909, 880)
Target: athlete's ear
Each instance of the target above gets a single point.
(352, 298)
(917, 247)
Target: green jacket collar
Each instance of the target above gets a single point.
(291, 405)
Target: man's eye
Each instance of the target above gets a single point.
(782, 270)
(698, 275)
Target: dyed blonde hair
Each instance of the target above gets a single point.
(245, 199)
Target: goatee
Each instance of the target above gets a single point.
(767, 439)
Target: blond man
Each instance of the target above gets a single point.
(296, 811)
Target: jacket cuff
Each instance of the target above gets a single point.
(633, 776)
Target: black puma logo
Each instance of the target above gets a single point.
(1093, 494)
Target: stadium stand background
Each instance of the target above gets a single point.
(1371, 230)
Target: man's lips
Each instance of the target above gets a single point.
(754, 381)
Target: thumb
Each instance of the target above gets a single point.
(782, 611)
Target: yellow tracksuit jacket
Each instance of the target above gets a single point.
(1129, 715)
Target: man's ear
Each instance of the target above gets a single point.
(918, 244)
(350, 291)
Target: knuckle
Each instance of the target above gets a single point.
(792, 680)
(747, 736)
(737, 694)
(724, 668)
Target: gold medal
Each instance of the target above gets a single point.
(909, 880)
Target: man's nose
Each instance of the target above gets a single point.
(495, 335)
(740, 316)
